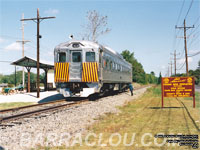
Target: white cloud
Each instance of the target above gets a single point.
(51, 11)
(14, 46)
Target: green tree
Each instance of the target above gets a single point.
(152, 73)
(138, 72)
(159, 78)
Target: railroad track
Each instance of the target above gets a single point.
(29, 106)
(10, 117)
(10, 120)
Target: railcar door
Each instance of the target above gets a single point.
(75, 66)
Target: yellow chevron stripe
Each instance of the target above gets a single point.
(64, 74)
(86, 72)
(82, 73)
(96, 66)
(61, 72)
(90, 72)
(94, 70)
(67, 72)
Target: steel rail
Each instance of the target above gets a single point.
(29, 106)
(36, 112)
(40, 104)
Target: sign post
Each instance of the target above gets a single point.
(178, 87)
(193, 93)
(162, 93)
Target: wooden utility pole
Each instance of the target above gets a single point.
(23, 42)
(175, 61)
(171, 67)
(38, 20)
(168, 72)
(185, 42)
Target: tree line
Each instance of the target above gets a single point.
(192, 73)
(138, 72)
(12, 78)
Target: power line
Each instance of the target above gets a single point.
(180, 12)
(190, 44)
(182, 66)
(194, 30)
(197, 20)
(189, 9)
(194, 54)
(185, 42)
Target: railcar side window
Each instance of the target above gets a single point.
(62, 57)
(90, 56)
(76, 57)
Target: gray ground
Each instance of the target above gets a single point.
(71, 121)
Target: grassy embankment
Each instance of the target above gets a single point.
(145, 115)
(14, 104)
(141, 116)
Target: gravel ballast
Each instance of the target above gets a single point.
(62, 124)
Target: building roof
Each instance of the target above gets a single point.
(30, 62)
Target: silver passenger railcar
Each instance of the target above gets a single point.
(83, 68)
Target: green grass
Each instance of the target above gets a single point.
(143, 115)
(14, 104)
(156, 91)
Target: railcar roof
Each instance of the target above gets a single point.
(88, 44)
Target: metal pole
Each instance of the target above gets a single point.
(23, 48)
(186, 57)
(15, 77)
(38, 54)
(29, 81)
(175, 62)
(171, 68)
(193, 92)
(162, 92)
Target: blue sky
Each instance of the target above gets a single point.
(146, 28)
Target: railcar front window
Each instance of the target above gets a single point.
(76, 57)
(90, 56)
(62, 57)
